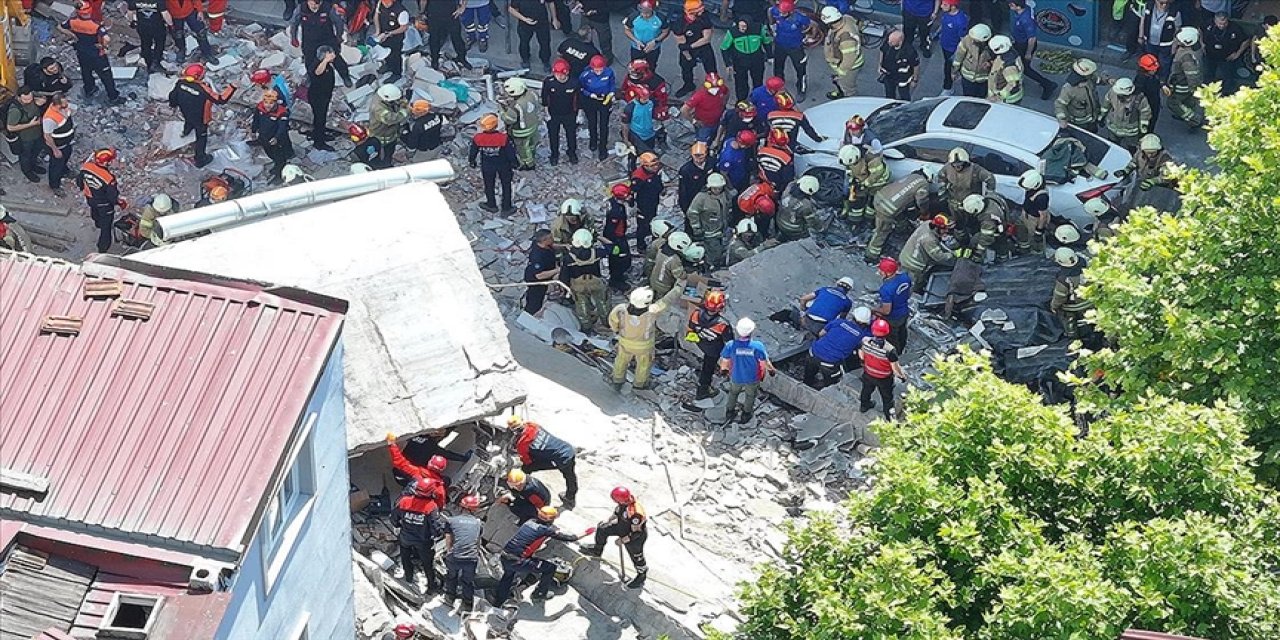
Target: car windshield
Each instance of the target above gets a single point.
(895, 122)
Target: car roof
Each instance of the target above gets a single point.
(1010, 125)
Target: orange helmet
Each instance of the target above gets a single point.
(1149, 63)
(784, 100)
(714, 301)
(219, 193)
(779, 138)
(420, 107)
(357, 133)
(104, 156)
(489, 122)
(693, 6)
(855, 124)
(648, 159)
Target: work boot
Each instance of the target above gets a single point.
(744, 417)
(591, 550)
(31, 177)
(567, 502)
(484, 46)
(539, 596)
(834, 94)
(202, 162)
(603, 154)
(555, 160)
(704, 394)
(731, 415)
(322, 145)
(617, 386)
(638, 581)
(573, 158)
(489, 206)
(116, 101)
(508, 211)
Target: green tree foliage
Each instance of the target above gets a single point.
(1193, 300)
(992, 518)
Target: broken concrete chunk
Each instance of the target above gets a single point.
(274, 61)
(122, 74)
(351, 55)
(282, 42)
(358, 96)
(172, 138)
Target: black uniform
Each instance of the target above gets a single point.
(497, 160)
(693, 179)
(897, 66)
(315, 29)
(537, 11)
(525, 502)
(443, 25)
(629, 522)
(319, 95)
(540, 259)
(615, 231)
(369, 151)
(518, 558)
(691, 57)
(91, 53)
(271, 126)
(422, 133)
(578, 53)
(1150, 86)
(596, 12)
(149, 22)
(561, 101)
(195, 100)
(390, 19)
(102, 194)
(713, 332)
(44, 84)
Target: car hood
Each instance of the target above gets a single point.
(829, 118)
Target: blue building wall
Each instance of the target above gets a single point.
(314, 586)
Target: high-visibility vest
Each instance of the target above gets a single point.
(66, 129)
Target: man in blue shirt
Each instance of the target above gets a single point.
(917, 18)
(789, 27)
(1024, 42)
(746, 363)
(816, 309)
(895, 292)
(836, 349)
(646, 30)
(737, 159)
(955, 24)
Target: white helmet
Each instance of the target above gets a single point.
(360, 167)
(745, 327)
(1150, 142)
(974, 204)
(1084, 67)
(716, 181)
(862, 315)
(747, 225)
(1067, 234)
(1124, 87)
(831, 15)
(641, 297)
(1031, 180)
(849, 154)
(390, 93)
(1066, 257)
(958, 154)
(161, 203)
(660, 228)
(694, 252)
(291, 172)
(980, 32)
(1096, 206)
(1000, 44)
(808, 185)
(571, 206)
(582, 238)
(678, 241)
(1188, 36)
(845, 282)
(514, 86)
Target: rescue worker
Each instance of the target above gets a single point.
(581, 268)
(497, 162)
(315, 24)
(746, 241)
(147, 17)
(12, 236)
(972, 61)
(270, 128)
(925, 250)
(776, 164)
(745, 49)
(899, 67)
(640, 74)
(1067, 303)
(522, 113)
(743, 117)
(615, 235)
(759, 202)
(836, 349)
(421, 134)
(220, 188)
(789, 27)
(1005, 82)
(542, 266)
(814, 310)
(843, 50)
(569, 221)
(706, 106)
(993, 219)
(263, 80)
(526, 495)
(1126, 114)
(101, 193)
(518, 559)
(159, 206)
(856, 133)
(708, 215)
(662, 232)
(879, 368)
(865, 174)
(577, 51)
(1185, 76)
(216, 12)
(1077, 103)
(628, 525)
(419, 511)
(1147, 81)
(462, 553)
(797, 215)
(638, 127)
(746, 362)
(534, 18)
(1149, 167)
(390, 22)
(90, 44)
(425, 450)
(708, 330)
(636, 324)
(693, 37)
(442, 18)
(540, 451)
(1105, 214)
(737, 159)
(765, 97)
(388, 112)
(598, 88)
(319, 96)
(59, 138)
(368, 150)
(646, 30)
(181, 15)
(646, 188)
(194, 99)
(693, 176)
(895, 301)
(476, 16)
(560, 96)
(960, 178)
(791, 120)
(1034, 222)
(891, 202)
(668, 268)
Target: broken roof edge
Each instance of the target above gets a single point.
(150, 547)
(361, 449)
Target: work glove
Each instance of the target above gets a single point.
(122, 203)
(1120, 173)
(1100, 174)
(1147, 184)
(391, 438)
(692, 336)
(294, 42)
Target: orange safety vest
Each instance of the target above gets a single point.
(747, 199)
(65, 129)
(100, 172)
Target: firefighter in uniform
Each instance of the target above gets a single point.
(518, 557)
(646, 187)
(791, 120)
(570, 219)
(1031, 228)
(776, 163)
(101, 193)
(540, 451)
(1126, 114)
(843, 50)
(890, 203)
(708, 216)
(972, 61)
(419, 511)
(1077, 102)
(636, 324)
(746, 241)
(1148, 165)
(581, 267)
(960, 178)
(388, 112)
(1185, 76)
(1005, 82)
(628, 525)
(522, 114)
(91, 42)
(994, 220)
(925, 250)
(797, 215)
(147, 17)
(709, 331)
(497, 161)
(271, 128)
(866, 174)
(194, 99)
(662, 230)
(1067, 303)
(671, 270)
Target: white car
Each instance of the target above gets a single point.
(1005, 139)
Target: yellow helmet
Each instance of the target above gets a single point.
(515, 476)
(547, 514)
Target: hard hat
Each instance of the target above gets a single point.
(774, 84)
(390, 93)
(1149, 63)
(974, 204)
(745, 327)
(582, 238)
(808, 185)
(646, 4)
(1084, 67)
(747, 225)
(1000, 44)
(1065, 256)
(648, 159)
(784, 100)
(1031, 180)
(888, 266)
(488, 122)
(1188, 36)
(470, 502)
(745, 109)
(357, 133)
(862, 315)
(747, 138)
(547, 514)
(659, 228)
(845, 283)
(161, 203)
(514, 421)
(423, 488)
(571, 207)
(716, 181)
(694, 252)
(831, 15)
(856, 123)
(437, 463)
(1096, 206)
(1150, 142)
(359, 168)
(1123, 87)
(620, 191)
(560, 66)
(941, 221)
(260, 77)
(980, 32)
(514, 86)
(713, 80)
(699, 148)
(420, 107)
(849, 154)
(638, 67)
(104, 156)
(621, 495)
(515, 476)
(194, 71)
(692, 6)
(779, 139)
(947, 4)
(880, 328)
(678, 241)
(218, 193)
(641, 297)
(765, 205)
(714, 301)
(598, 62)
(405, 631)
(1067, 234)
(958, 154)
(786, 6)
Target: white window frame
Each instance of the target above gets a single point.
(289, 507)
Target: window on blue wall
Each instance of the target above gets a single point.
(289, 505)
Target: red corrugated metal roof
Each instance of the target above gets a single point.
(168, 430)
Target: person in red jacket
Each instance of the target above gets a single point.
(181, 15)
(705, 108)
(759, 202)
(217, 12)
(418, 512)
(194, 98)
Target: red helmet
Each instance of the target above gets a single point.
(880, 328)
(357, 132)
(940, 221)
(424, 488)
(437, 463)
(1149, 63)
(104, 156)
(714, 301)
(713, 80)
(746, 110)
(747, 138)
(260, 77)
(888, 266)
(470, 502)
(638, 68)
(765, 205)
(621, 495)
(598, 62)
(779, 138)
(621, 191)
(640, 91)
(405, 631)
(774, 84)
(855, 124)
(560, 66)
(784, 100)
(194, 71)
(786, 6)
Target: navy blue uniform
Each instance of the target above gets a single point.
(518, 557)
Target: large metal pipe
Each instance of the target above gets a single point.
(307, 194)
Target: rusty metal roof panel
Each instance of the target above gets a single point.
(168, 429)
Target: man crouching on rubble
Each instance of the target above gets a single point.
(518, 555)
